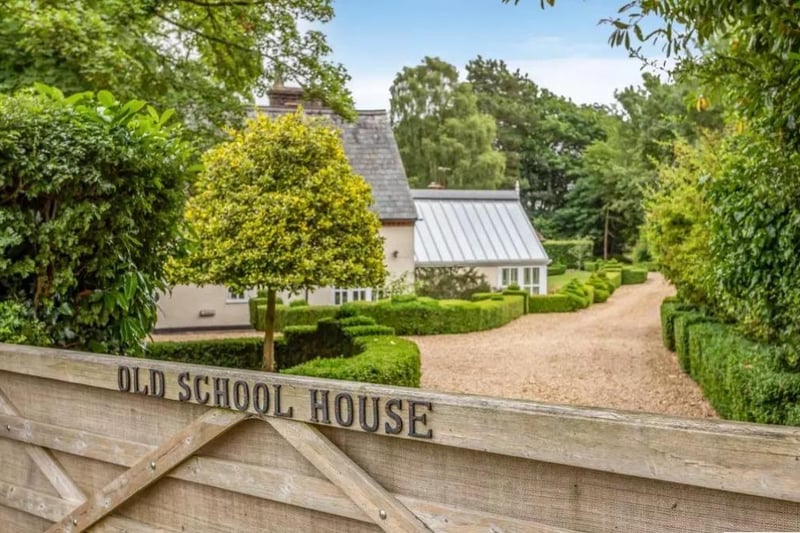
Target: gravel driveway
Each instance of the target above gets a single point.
(609, 355)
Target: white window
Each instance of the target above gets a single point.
(530, 277)
(342, 296)
(235, 297)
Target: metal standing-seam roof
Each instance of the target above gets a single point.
(465, 228)
(372, 151)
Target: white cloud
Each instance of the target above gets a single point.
(585, 80)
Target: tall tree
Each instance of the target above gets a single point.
(541, 135)
(441, 134)
(278, 206)
(203, 58)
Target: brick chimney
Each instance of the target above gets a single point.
(282, 96)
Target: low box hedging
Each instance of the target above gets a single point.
(384, 360)
(591, 266)
(615, 277)
(578, 294)
(680, 326)
(556, 269)
(245, 352)
(550, 303)
(523, 294)
(743, 380)
(304, 315)
(631, 276)
(425, 316)
(669, 308)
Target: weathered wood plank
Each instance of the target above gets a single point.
(149, 469)
(268, 483)
(746, 458)
(34, 502)
(46, 462)
(368, 495)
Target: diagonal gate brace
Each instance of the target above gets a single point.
(149, 469)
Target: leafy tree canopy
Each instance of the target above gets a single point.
(278, 206)
(441, 134)
(204, 58)
(91, 195)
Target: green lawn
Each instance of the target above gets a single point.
(554, 282)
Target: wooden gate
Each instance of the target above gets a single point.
(118, 444)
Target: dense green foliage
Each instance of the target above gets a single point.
(442, 136)
(449, 282)
(17, 326)
(550, 303)
(91, 196)
(242, 352)
(556, 269)
(670, 308)
(331, 337)
(206, 59)
(426, 316)
(631, 276)
(384, 360)
(571, 253)
(286, 316)
(278, 206)
(379, 359)
(743, 380)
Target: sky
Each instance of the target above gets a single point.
(561, 48)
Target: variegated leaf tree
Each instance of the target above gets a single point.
(278, 206)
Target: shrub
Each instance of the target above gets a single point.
(425, 316)
(517, 292)
(480, 296)
(384, 360)
(556, 269)
(298, 303)
(604, 278)
(93, 193)
(680, 326)
(244, 352)
(632, 276)
(449, 282)
(571, 253)
(19, 326)
(602, 287)
(742, 379)
(615, 277)
(577, 293)
(591, 266)
(601, 295)
(295, 316)
(551, 303)
(669, 308)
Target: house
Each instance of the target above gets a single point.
(370, 146)
(487, 230)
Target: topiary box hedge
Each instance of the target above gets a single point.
(556, 269)
(384, 360)
(631, 276)
(680, 325)
(425, 316)
(550, 303)
(303, 315)
(245, 352)
(743, 380)
(670, 307)
(377, 357)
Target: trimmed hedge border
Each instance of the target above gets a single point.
(631, 276)
(550, 303)
(384, 360)
(426, 316)
(285, 316)
(556, 269)
(245, 352)
(742, 379)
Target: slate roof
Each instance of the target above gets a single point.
(473, 228)
(371, 148)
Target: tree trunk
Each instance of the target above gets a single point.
(268, 362)
(605, 238)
